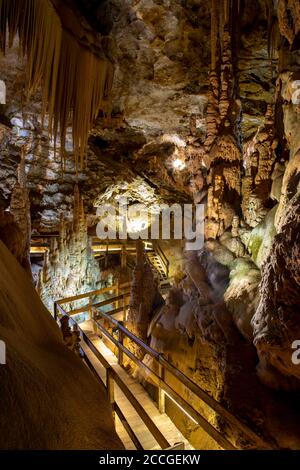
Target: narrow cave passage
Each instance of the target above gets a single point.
(149, 224)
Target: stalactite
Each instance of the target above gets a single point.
(75, 80)
(214, 33)
(212, 119)
(222, 144)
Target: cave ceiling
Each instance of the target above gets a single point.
(161, 55)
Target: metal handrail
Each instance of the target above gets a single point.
(164, 388)
(186, 381)
(113, 378)
(93, 293)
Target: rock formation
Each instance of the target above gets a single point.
(20, 209)
(60, 404)
(259, 157)
(144, 298)
(16, 224)
(276, 320)
(69, 267)
(222, 144)
(205, 107)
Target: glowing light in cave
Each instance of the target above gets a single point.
(137, 218)
(178, 164)
(178, 141)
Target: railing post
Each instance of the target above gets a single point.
(110, 390)
(120, 352)
(123, 256)
(55, 311)
(161, 393)
(124, 307)
(106, 256)
(118, 293)
(90, 307)
(94, 318)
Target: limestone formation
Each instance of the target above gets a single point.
(11, 235)
(70, 267)
(16, 224)
(204, 108)
(144, 298)
(222, 143)
(20, 209)
(276, 321)
(259, 158)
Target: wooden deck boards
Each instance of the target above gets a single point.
(162, 421)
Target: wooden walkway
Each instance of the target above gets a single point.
(162, 421)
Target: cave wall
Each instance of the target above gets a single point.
(50, 399)
(251, 329)
(230, 113)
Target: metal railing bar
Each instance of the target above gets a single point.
(179, 401)
(156, 433)
(92, 293)
(111, 300)
(108, 301)
(158, 436)
(192, 386)
(117, 310)
(128, 428)
(130, 335)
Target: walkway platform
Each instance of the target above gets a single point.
(162, 421)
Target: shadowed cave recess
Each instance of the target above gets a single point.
(156, 103)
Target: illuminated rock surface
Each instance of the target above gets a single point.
(51, 395)
(205, 109)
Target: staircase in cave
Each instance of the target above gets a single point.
(109, 349)
(160, 266)
(157, 265)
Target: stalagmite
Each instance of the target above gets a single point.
(144, 297)
(222, 144)
(70, 267)
(259, 158)
(20, 209)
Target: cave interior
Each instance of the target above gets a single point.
(150, 210)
